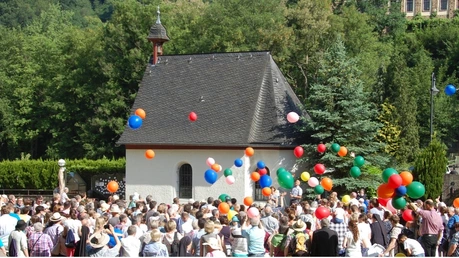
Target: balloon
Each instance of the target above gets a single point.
(342, 151)
(222, 197)
(215, 167)
(390, 207)
(280, 170)
(223, 208)
(456, 203)
(230, 180)
(318, 189)
(359, 161)
(415, 190)
(238, 163)
(398, 202)
(210, 176)
(265, 181)
(293, 117)
(149, 154)
(335, 147)
(322, 212)
(305, 176)
(262, 171)
(255, 176)
(355, 172)
(346, 199)
(210, 161)
(141, 113)
(321, 148)
(450, 90)
(228, 172)
(266, 191)
(112, 186)
(249, 151)
(285, 180)
(253, 212)
(313, 181)
(400, 191)
(400, 255)
(383, 201)
(384, 191)
(387, 173)
(407, 178)
(319, 169)
(260, 164)
(326, 183)
(231, 214)
(394, 181)
(192, 116)
(248, 201)
(407, 215)
(135, 122)
(298, 151)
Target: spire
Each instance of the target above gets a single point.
(157, 36)
(158, 19)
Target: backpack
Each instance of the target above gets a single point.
(70, 239)
(174, 245)
(298, 247)
(12, 249)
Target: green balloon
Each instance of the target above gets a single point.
(222, 197)
(387, 173)
(359, 161)
(228, 172)
(415, 190)
(355, 172)
(280, 170)
(318, 189)
(398, 202)
(285, 180)
(335, 147)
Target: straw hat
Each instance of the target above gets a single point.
(115, 209)
(104, 207)
(213, 243)
(56, 217)
(299, 225)
(98, 240)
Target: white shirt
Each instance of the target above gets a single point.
(7, 225)
(131, 246)
(339, 213)
(354, 201)
(75, 226)
(414, 246)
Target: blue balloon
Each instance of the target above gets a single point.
(261, 165)
(210, 176)
(135, 122)
(400, 191)
(450, 89)
(238, 163)
(265, 181)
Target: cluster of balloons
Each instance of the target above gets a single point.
(293, 117)
(340, 150)
(149, 154)
(261, 176)
(396, 186)
(355, 172)
(285, 178)
(112, 186)
(135, 121)
(326, 184)
(211, 174)
(298, 151)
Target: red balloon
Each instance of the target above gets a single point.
(192, 116)
(407, 215)
(394, 181)
(322, 212)
(262, 171)
(319, 169)
(321, 148)
(383, 201)
(298, 151)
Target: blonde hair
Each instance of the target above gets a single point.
(171, 225)
(209, 227)
(100, 222)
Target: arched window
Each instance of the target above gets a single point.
(185, 181)
(258, 194)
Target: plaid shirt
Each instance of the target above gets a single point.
(40, 245)
(341, 229)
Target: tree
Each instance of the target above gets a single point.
(430, 168)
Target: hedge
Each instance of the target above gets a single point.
(42, 174)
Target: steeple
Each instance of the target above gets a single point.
(157, 36)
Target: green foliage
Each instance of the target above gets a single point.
(390, 131)
(430, 167)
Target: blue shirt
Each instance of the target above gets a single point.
(155, 249)
(14, 215)
(255, 240)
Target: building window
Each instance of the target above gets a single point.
(443, 5)
(258, 194)
(409, 6)
(185, 181)
(426, 5)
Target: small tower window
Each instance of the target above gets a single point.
(185, 181)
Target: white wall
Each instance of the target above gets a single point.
(159, 176)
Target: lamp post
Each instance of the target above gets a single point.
(433, 92)
(60, 175)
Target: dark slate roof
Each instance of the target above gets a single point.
(158, 33)
(240, 98)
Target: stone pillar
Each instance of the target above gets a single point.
(417, 6)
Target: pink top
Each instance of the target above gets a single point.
(432, 224)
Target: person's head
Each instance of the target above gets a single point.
(401, 238)
(155, 235)
(297, 182)
(21, 225)
(255, 221)
(394, 220)
(224, 220)
(268, 210)
(210, 200)
(209, 227)
(352, 224)
(353, 195)
(132, 230)
(98, 240)
(325, 223)
(429, 204)
(176, 200)
(171, 225)
(73, 214)
(12, 198)
(451, 211)
(38, 227)
(374, 202)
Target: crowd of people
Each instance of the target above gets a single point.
(80, 226)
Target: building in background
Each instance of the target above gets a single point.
(426, 8)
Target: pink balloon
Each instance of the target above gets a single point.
(293, 117)
(230, 180)
(319, 169)
(394, 181)
(253, 212)
(313, 182)
(210, 161)
(262, 171)
(390, 207)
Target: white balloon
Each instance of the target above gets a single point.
(210, 161)
(230, 180)
(293, 117)
(313, 181)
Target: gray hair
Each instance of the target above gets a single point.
(38, 227)
(325, 223)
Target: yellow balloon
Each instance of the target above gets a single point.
(346, 199)
(400, 255)
(305, 176)
(231, 214)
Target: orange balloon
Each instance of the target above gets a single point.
(248, 201)
(149, 154)
(140, 112)
(266, 191)
(407, 178)
(342, 151)
(456, 203)
(249, 151)
(112, 186)
(215, 167)
(255, 176)
(384, 191)
(223, 207)
(326, 183)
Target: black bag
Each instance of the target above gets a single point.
(70, 239)
(174, 246)
(12, 249)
